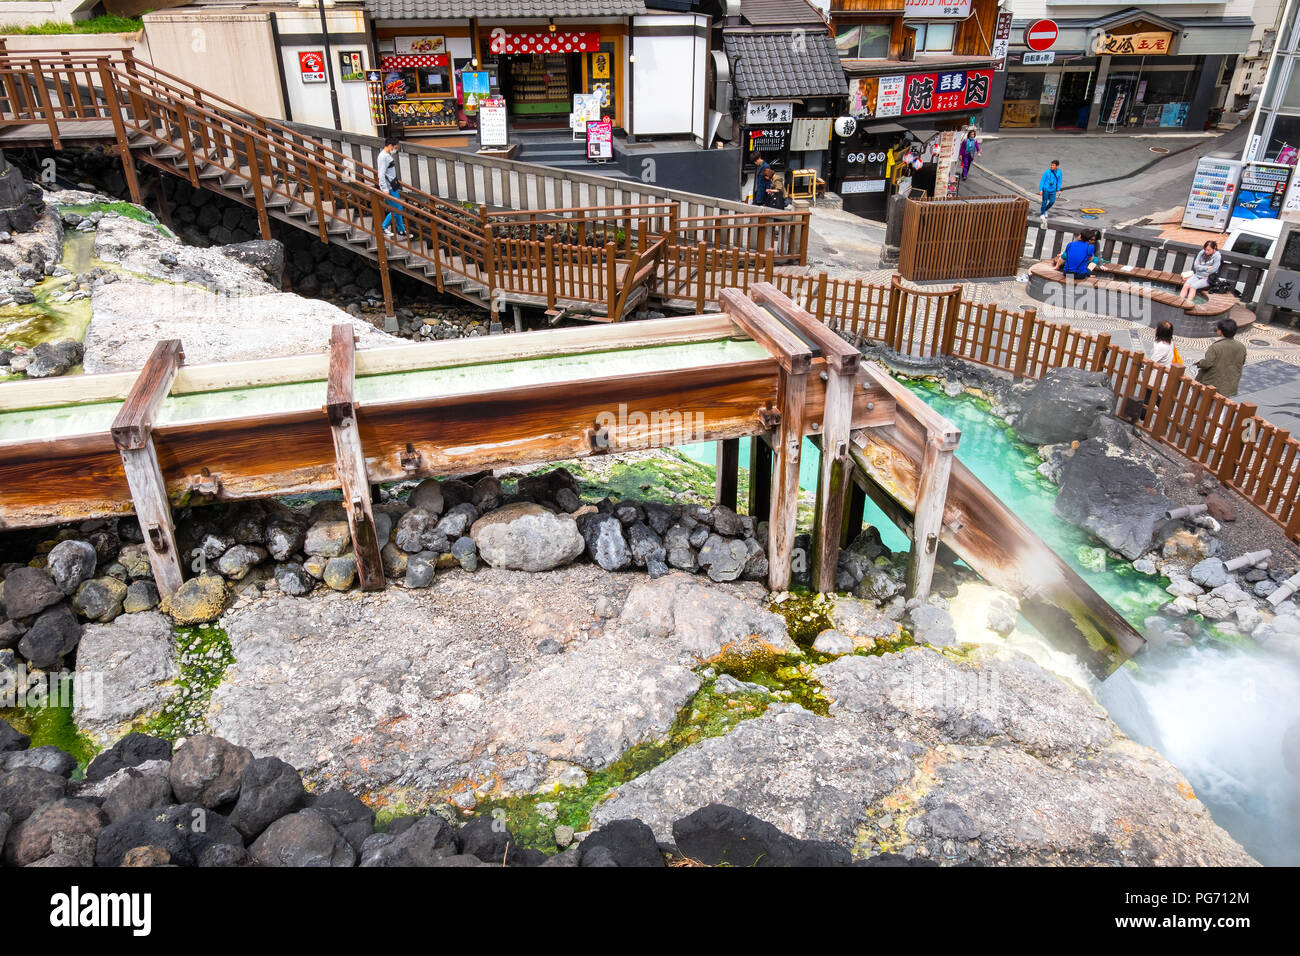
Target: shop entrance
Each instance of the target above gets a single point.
(1073, 100)
(539, 88)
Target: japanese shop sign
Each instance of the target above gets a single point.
(943, 92)
(758, 112)
(936, 9)
(311, 64)
(1134, 44)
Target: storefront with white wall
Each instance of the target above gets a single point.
(1128, 70)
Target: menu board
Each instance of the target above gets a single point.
(1213, 189)
(492, 122)
(889, 102)
(586, 109)
(770, 142)
(600, 139)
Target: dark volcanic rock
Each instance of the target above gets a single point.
(131, 751)
(305, 838)
(55, 633)
(1115, 497)
(25, 789)
(270, 789)
(1063, 406)
(29, 591)
(421, 843)
(718, 834)
(208, 770)
(629, 842)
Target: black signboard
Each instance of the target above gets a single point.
(771, 142)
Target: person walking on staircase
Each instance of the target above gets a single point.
(388, 180)
(1049, 186)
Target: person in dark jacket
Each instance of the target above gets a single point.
(1223, 362)
(760, 181)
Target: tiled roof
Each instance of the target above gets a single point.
(776, 65)
(461, 9)
(779, 13)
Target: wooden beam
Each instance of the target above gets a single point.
(854, 514)
(786, 347)
(784, 511)
(839, 354)
(728, 472)
(132, 433)
(350, 460)
(932, 495)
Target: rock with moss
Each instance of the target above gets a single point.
(128, 670)
(197, 601)
(100, 599)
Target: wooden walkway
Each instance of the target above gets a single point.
(593, 262)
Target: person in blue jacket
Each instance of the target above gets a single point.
(1049, 186)
(1075, 259)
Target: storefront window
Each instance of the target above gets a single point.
(1284, 140)
(426, 81)
(1291, 99)
(866, 40)
(934, 37)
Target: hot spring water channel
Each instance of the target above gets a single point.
(1218, 707)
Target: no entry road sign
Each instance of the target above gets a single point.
(1040, 35)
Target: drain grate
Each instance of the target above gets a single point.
(1264, 341)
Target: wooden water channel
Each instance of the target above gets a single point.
(101, 445)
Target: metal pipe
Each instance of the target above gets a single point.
(1247, 560)
(1186, 511)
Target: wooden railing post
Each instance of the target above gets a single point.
(1100, 349)
(381, 251)
(1169, 389)
(896, 294)
(769, 265)
(701, 275)
(435, 237)
(549, 251)
(43, 97)
(1028, 321)
(119, 130)
(821, 297)
(1226, 467)
(314, 178)
(255, 180)
(951, 314)
(611, 280)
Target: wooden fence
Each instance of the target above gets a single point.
(974, 238)
(1228, 438)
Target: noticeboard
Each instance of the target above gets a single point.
(600, 139)
(492, 122)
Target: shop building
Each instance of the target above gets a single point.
(919, 73)
(787, 86)
(1127, 70)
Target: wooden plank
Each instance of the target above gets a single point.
(350, 460)
(784, 511)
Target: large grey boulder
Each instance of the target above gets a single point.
(1114, 496)
(208, 770)
(526, 537)
(133, 665)
(305, 838)
(1063, 406)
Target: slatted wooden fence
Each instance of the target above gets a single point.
(972, 238)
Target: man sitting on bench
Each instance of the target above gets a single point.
(1076, 258)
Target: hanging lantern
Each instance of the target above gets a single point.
(846, 126)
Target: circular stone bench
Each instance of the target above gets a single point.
(1108, 292)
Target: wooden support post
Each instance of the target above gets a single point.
(548, 250)
(760, 476)
(728, 472)
(119, 130)
(350, 459)
(1099, 352)
(133, 435)
(43, 98)
(611, 281)
(160, 197)
(255, 180)
(927, 523)
(784, 512)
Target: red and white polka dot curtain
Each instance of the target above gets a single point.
(413, 60)
(558, 42)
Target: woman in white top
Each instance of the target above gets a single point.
(1206, 264)
(1162, 356)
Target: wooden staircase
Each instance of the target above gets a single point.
(598, 263)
